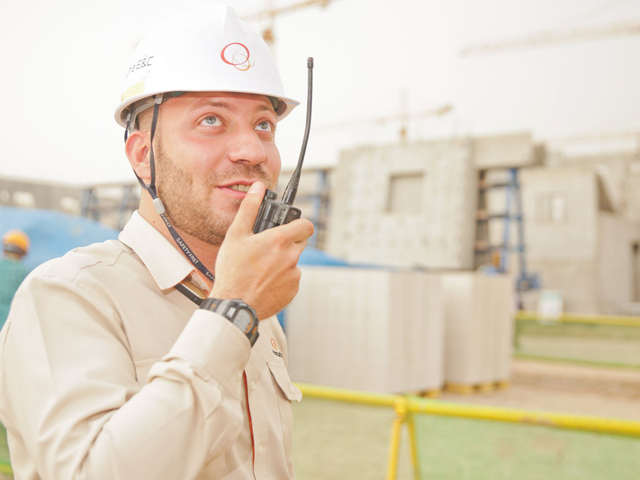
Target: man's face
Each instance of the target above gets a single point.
(209, 148)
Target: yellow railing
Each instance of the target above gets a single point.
(617, 320)
(406, 406)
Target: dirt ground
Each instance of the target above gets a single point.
(566, 388)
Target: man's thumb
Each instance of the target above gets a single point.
(249, 207)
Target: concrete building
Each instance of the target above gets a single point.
(577, 243)
(415, 205)
(109, 204)
(616, 159)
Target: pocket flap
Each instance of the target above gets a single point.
(279, 372)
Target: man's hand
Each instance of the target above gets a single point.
(261, 269)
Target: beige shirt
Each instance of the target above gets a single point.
(107, 372)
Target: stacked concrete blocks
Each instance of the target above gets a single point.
(478, 331)
(367, 329)
(400, 331)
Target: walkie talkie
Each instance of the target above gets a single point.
(272, 212)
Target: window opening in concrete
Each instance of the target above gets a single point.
(550, 207)
(406, 193)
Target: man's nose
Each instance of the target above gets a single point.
(247, 148)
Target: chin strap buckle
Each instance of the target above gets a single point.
(158, 205)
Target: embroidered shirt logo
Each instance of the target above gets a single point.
(274, 348)
(237, 55)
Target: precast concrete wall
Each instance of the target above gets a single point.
(577, 279)
(574, 244)
(560, 208)
(620, 175)
(616, 261)
(632, 192)
(505, 151)
(405, 205)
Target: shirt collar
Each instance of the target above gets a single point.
(166, 264)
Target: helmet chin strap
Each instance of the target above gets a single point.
(157, 203)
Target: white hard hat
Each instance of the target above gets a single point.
(206, 50)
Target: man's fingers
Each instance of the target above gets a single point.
(248, 211)
(301, 246)
(298, 230)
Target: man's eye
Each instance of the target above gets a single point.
(264, 127)
(211, 121)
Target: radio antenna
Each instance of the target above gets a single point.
(290, 192)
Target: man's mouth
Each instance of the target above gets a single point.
(239, 188)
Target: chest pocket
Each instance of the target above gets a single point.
(282, 380)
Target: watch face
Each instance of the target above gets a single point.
(243, 320)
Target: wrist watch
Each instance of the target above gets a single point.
(237, 312)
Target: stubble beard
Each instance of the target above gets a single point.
(185, 208)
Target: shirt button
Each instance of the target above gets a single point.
(260, 449)
(253, 385)
(292, 389)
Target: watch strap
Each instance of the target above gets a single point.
(238, 313)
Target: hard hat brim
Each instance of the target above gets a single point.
(121, 112)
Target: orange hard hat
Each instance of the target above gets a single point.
(16, 241)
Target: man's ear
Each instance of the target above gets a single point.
(137, 150)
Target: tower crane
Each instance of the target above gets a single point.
(272, 12)
(554, 36)
(403, 117)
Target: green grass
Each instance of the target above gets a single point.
(5, 464)
(600, 345)
(337, 440)
(452, 448)
(582, 330)
(576, 361)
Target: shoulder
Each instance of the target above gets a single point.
(85, 283)
(94, 270)
(83, 260)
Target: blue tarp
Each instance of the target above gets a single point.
(313, 256)
(52, 233)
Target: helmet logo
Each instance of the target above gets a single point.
(236, 55)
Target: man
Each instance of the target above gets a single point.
(110, 369)
(15, 245)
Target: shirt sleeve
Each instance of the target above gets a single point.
(71, 395)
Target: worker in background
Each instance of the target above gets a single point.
(159, 356)
(15, 245)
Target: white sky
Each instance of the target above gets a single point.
(64, 63)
